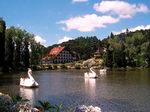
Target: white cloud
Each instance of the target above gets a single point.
(64, 39)
(121, 8)
(141, 27)
(79, 0)
(40, 40)
(88, 22)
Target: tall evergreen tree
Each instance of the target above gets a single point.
(26, 54)
(18, 43)
(2, 43)
(9, 47)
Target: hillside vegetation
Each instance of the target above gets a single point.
(81, 47)
(129, 49)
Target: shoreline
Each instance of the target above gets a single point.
(17, 104)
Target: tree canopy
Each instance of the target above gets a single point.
(128, 49)
(18, 48)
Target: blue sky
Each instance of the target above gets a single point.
(54, 21)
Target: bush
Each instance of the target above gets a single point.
(63, 66)
(50, 67)
(77, 66)
(55, 67)
(34, 67)
(47, 106)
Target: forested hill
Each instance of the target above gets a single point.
(81, 47)
(125, 49)
(128, 49)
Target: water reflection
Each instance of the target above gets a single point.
(90, 85)
(29, 93)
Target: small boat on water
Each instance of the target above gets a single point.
(103, 71)
(28, 82)
(90, 74)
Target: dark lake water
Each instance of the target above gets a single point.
(118, 91)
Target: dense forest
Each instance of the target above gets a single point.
(18, 48)
(83, 47)
(129, 49)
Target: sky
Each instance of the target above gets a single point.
(56, 21)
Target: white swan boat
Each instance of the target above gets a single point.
(28, 82)
(91, 74)
(103, 71)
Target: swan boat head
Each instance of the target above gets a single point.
(91, 74)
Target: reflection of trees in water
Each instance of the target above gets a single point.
(8, 79)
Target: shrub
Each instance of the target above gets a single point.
(77, 66)
(47, 106)
(54, 66)
(63, 66)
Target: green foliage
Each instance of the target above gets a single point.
(2, 43)
(50, 67)
(13, 104)
(9, 47)
(47, 106)
(63, 66)
(19, 48)
(77, 66)
(17, 99)
(82, 47)
(5, 103)
(37, 51)
(54, 66)
(128, 49)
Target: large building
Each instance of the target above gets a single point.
(58, 55)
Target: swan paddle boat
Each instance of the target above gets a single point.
(28, 82)
(90, 74)
(103, 71)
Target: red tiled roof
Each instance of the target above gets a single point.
(55, 51)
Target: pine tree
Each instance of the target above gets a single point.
(2, 43)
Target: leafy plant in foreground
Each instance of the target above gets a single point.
(17, 98)
(47, 106)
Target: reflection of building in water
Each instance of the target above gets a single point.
(90, 85)
(28, 93)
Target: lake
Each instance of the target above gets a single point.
(118, 91)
